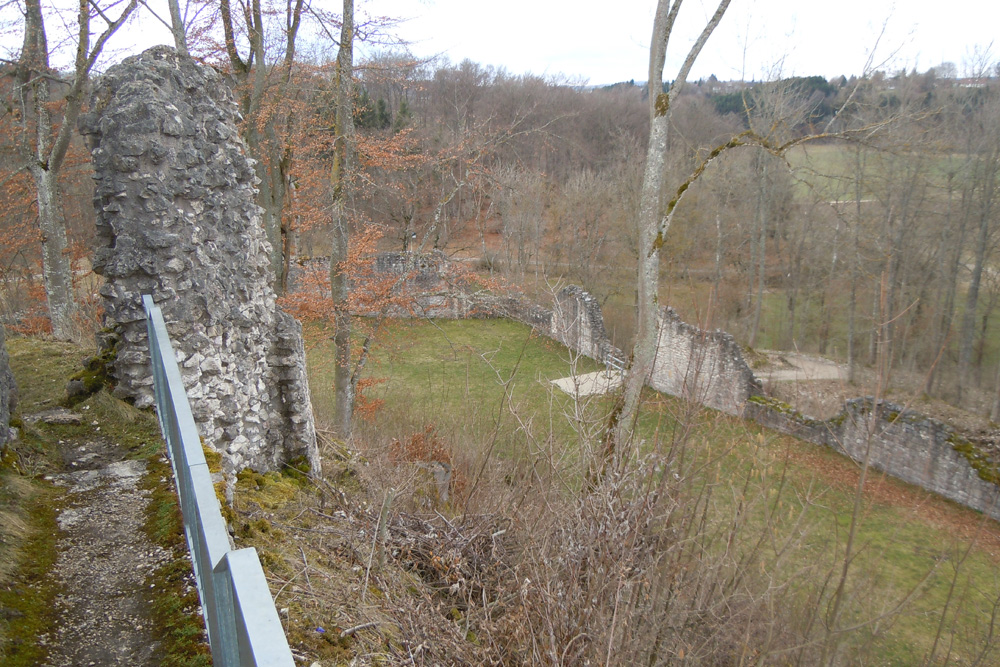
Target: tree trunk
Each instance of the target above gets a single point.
(56, 267)
(341, 179)
(340, 288)
(971, 303)
(761, 248)
(716, 274)
(653, 223)
(647, 282)
(47, 155)
(952, 243)
(256, 78)
(272, 170)
(995, 412)
(177, 28)
(852, 305)
(56, 270)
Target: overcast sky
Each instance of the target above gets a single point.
(607, 42)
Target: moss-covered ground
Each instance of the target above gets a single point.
(29, 504)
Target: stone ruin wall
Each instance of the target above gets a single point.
(575, 320)
(178, 219)
(704, 366)
(428, 281)
(905, 444)
(709, 367)
(578, 323)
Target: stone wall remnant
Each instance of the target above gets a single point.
(708, 367)
(177, 218)
(703, 366)
(900, 442)
(578, 323)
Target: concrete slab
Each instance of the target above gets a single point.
(793, 367)
(590, 384)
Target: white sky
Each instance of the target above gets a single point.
(607, 42)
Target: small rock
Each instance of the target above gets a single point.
(60, 416)
(8, 614)
(75, 388)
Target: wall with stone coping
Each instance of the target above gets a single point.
(703, 366)
(709, 367)
(178, 219)
(578, 323)
(902, 443)
(427, 280)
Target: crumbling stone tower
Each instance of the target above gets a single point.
(177, 218)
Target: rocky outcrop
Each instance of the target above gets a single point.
(177, 218)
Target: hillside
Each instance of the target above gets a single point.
(372, 562)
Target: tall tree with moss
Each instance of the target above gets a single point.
(264, 86)
(340, 181)
(654, 215)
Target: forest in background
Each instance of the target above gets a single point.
(888, 218)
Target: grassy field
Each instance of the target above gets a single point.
(921, 568)
(921, 588)
(452, 375)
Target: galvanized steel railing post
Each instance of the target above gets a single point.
(243, 625)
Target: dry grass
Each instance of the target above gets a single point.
(709, 542)
(15, 492)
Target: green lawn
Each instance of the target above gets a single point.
(486, 384)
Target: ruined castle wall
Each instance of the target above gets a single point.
(902, 443)
(178, 219)
(709, 367)
(578, 323)
(430, 289)
(704, 366)
(916, 449)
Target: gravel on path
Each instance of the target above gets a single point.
(103, 563)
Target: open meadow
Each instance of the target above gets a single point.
(763, 537)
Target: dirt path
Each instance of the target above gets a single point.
(104, 559)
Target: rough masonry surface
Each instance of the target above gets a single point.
(177, 218)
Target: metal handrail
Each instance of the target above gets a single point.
(243, 625)
(616, 363)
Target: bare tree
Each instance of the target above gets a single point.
(344, 383)
(654, 221)
(263, 84)
(980, 195)
(45, 137)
